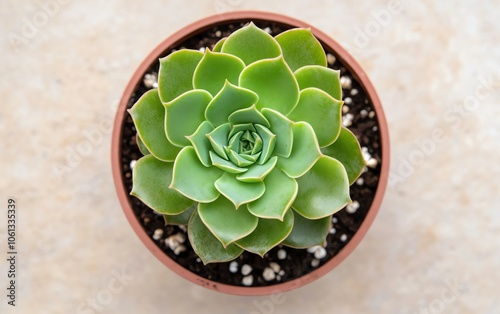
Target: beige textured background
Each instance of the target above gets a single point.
(434, 247)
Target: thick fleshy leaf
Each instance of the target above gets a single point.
(215, 69)
(206, 245)
(346, 150)
(250, 44)
(201, 144)
(237, 159)
(305, 151)
(283, 127)
(192, 179)
(248, 115)
(144, 150)
(268, 234)
(239, 192)
(326, 79)
(219, 138)
(301, 48)
(227, 223)
(280, 193)
(323, 190)
(218, 45)
(176, 73)
(184, 114)
(148, 115)
(230, 99)
(258, 172)
(274, 82)
(182, 218)
(241, 128)
(268, 143)
(307, 233)
(151, 179)
(224, 164)
(322, 112)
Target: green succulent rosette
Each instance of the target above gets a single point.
(245, 144)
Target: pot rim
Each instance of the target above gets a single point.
(347, 60)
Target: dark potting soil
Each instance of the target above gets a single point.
(298, 262)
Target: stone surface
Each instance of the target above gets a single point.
(433, 248)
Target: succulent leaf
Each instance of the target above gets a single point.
(224, 164)
(230, 99)
(326, 79)
(218, 45)
(182, 218)
(248, 115)
(323, 190)
(251, 44)
(151, 178)
(346, 149)
(218, 139)
(227, 223)
(144, 150)
(184, 114)
(301, 48)
(282, 126)
(206, 245)
(274, 83)
(268, 234)
(175, 76)
(215, 69)
(322, 112)
(192, 179)
(305, 151)
(258, 172)
(147, 114)
(307, 232)
(238, 192)
(280, 193)
(201, 144)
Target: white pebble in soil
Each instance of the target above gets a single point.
(354, 92)
(282, 273)
(247, 280)
(275, 266)
(334, 220)
(348, 101)
(281, 254)
(246, 269)
(352, 207)
(218, 34)
(267, 30)
(202, 49)
(268, 274)
(175, 240)
(372, 163)
(365, 153)
(363, 113)
(313, 249)
(371, 115)
(345, 109)
(343, 237)
(332, 231)
(198, 260)
(320, 253)
(233, 267)
(345, 82)
(132, 164)
(179, 249)
(315, 263)
(360, 181)
(150, 80)
(347, 119)
(157, 234)
(330, 58)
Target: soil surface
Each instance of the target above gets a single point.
(285, 263)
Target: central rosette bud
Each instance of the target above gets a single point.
(238, 146)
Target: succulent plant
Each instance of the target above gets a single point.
(245, 144)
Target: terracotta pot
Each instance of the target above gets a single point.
(199, 27)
